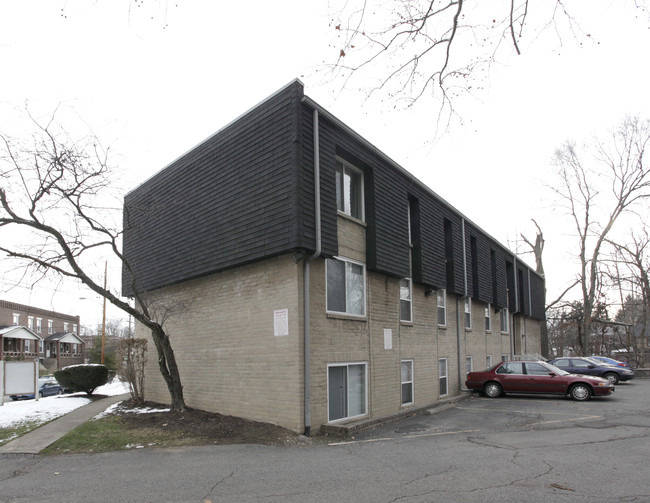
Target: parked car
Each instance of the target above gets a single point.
(536, 377)
(46, 387)
(587, 366)
(611, 361)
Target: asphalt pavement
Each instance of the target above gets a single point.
(509, 449)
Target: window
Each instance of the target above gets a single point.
(488, 361)
(468, 313)
(16, 319)
(407, 382)
(349, 190)
(488, 317)
(65, 327)
(562, 363)
(28, 346)
(511, 368)
(468, 364)
(40, 346)
(74, 328)
(505, 357)
(442, 376)
(405, 295)
(346, 390)
(536, 369)
(50, 326)
(39, 325)
(504, 320)
(442, 307)
(30, 322)
(346, 287)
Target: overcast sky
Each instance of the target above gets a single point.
(154, 81)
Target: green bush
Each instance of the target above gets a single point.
(82, 377)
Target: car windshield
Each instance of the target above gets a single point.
(553, 368)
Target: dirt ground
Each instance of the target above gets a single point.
(210, 427)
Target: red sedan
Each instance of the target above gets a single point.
(536, 377)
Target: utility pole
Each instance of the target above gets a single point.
(104, 314)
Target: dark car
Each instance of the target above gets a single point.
(46, 387)
(536, 377)
(590, 367)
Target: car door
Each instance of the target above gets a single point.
(583, 367)
(540, 379)
(512, 377)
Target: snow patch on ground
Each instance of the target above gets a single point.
(13, 414)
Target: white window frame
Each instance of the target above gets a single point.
(443, 377)
(365, 390)
(488, 317)
(407, 382)
(488, 361)
(409, 300)
(27, 346)
(346, 261)
(468, 313)
(15, 319)
(504, 319)
(41, 346)
(30, 322)
(469, 364)
(65, 326)
(74, 328)
(505, 357)
(50, 326)
(442, 292)
(39, 325)
(347, 167)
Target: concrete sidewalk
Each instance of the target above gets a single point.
(37, 440)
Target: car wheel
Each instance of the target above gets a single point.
(60, 392)
(580, 392)
(40, 394)
(612, 377)
(492, 390)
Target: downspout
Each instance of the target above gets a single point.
(460, 319)
(513, 334)
(306, 281)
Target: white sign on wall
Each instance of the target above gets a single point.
(281, 322)
(388, 338)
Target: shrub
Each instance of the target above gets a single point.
(85, 378)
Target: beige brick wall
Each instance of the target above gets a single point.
(231, 362)
(223, 336)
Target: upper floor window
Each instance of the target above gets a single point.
(346, 286)
(468, 312)
(30, 322)
(16, 319)
(405, 304)
(65, 326)
(50, 326)
(74, 328)
(442, 307)
(504, 320)
(488, 317)
(349, 190)
(39, 325)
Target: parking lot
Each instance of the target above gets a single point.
(510, 449)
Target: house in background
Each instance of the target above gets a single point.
(314, 280)
(31, 332)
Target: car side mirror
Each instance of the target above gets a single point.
(591, 366)
(552, 374)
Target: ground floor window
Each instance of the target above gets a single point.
(407, 382)
(468, 364)
(488, 361)
(346, 390)
(505, 357)
(442, 376)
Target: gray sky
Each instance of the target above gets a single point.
(153, 81)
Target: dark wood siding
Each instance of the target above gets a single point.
(231, 200)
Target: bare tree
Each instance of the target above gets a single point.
(596, 192)
(409, 48)
(54, 196)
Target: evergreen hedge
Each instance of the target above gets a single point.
(85, 378)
